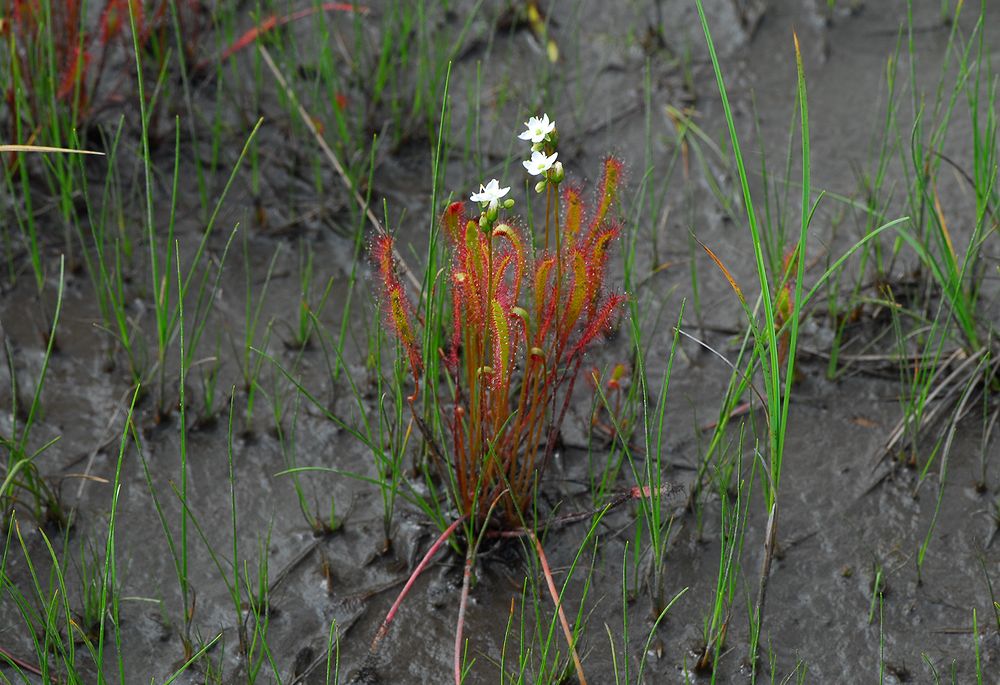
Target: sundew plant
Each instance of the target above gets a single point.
(523, 313)
(524, 309)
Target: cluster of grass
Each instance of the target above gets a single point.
(149, 236)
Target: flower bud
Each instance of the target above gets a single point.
(540, 186)
(508, 203)
(557, 174)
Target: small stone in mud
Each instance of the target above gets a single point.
(846, 571)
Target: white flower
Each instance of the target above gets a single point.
(539, 163)
(537, 129)
(490, 193)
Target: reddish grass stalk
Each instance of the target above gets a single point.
(20, 663)
(462, 604)
(274, 21)
(384, 628)
(547, 572)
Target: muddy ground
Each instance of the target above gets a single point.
(847, 515)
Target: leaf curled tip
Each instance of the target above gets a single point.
(507, 232)
(522, 314)
(517, 245)
(725, 272)
(453, 221)
(504, 230)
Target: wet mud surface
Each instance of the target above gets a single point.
(851, 519)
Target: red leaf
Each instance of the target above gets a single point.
(453, 221)
(72, 73)
(274, 21)
(398, 312)
(599, 322)
(608, 190)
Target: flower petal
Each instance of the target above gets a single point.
(491, 193)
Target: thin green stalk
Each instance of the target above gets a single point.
(110, 574)
(186, 593)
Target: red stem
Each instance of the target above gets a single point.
(460, 625)
(384, 628)
(547, 572)
(20, 663)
